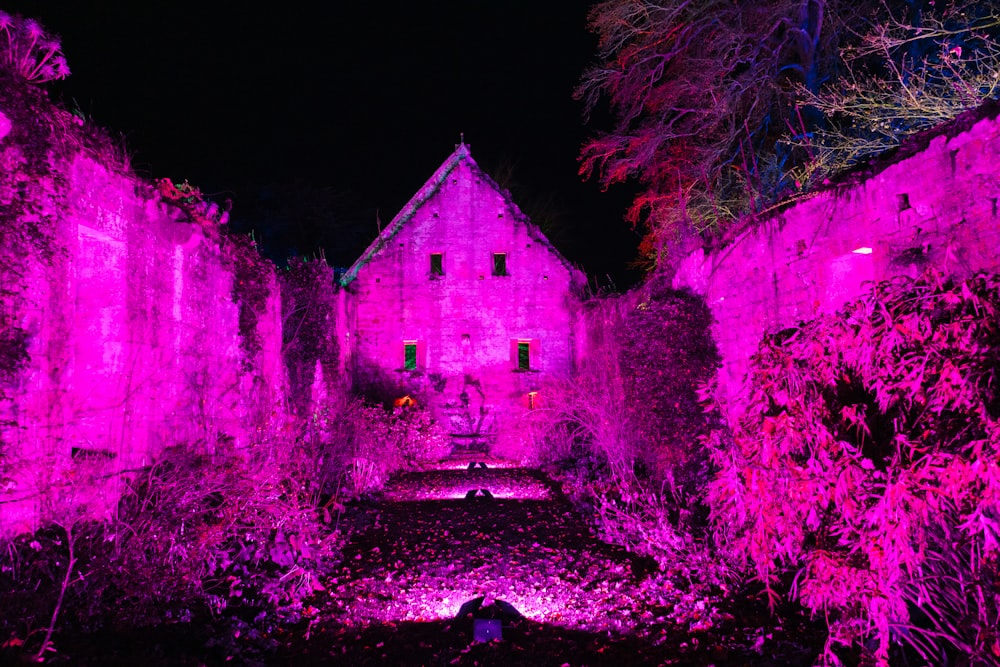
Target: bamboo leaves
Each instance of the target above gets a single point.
(868, 456)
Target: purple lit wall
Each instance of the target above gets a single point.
(467, 324)
(937, 208)
(131, 319)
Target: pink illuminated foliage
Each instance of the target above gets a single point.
(622, 435)
(868, 463)
(237, 531)
(721, 111)
(699, 93)
(190, 199)
(28, 51)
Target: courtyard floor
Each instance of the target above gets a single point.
(433, 542)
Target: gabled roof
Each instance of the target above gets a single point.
(427, 192)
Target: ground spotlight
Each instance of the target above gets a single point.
(487, 618)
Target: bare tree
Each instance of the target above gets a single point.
(722, 108)
(911, 70)
(699, 93)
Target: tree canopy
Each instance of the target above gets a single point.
(720, 109)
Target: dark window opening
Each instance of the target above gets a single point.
(500, 264)
(85, 454)
(410, 356)
(523, 355)
(437, 264)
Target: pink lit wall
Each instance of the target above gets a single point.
(465, 323)
(132, 321)
(937, 208)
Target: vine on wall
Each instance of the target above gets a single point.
(308, 326)
(252, 281)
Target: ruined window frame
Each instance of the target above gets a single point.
(409, 355)
(500, 264)
(437, 265)
(524, 355)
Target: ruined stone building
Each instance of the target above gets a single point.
(462, 305)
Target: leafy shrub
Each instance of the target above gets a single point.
(241, 532)
(389, 440)
(665, 352)
(633, 408)
(309, 345)
(867, 459)
(622, 436)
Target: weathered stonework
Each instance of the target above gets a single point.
(937, 208)
(131, 321)
(466, 323)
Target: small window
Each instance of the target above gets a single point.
(500, 264)
(523, 355)
(532, 400)
(92, 455)
(437, 264)
(410, 355)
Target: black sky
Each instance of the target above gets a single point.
(362, 98)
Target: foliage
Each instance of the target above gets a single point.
(29, 52)
(902, 77)
(253, 283)
(389, 440)
(309, 345)
(623, 434)
(700, 93)
(633, 407)
(193, 535)
(868, 459)
(721, 110)
(666, 351)
(190, 199)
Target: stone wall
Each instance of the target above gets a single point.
(936, 208)
(125, 329)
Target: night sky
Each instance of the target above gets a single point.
(316, 119)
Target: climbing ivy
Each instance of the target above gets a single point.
(666, 351)
(308, 326)
(252, 280)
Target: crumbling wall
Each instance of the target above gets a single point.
(936, 208)
(126, 328)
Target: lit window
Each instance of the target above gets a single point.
(523, 355)
(410, 355)
(437, 264)
(500, 264)
(532, 399)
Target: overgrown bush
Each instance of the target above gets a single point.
(390, 440)
(622, 436)
(666, 352)
(309, 345)
(239, 532)
(867, 463)
(633, 408)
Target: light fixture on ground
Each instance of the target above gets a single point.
(488, 617)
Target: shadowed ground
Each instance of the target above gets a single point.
(428, 549)
(422, 549)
